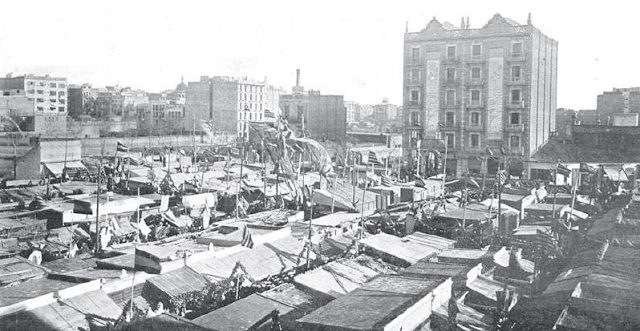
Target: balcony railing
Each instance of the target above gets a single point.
(515, 127)
(516, 150)
(474, 127)
(515, 104)
(475, 104)
(517, 56)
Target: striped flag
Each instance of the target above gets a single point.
(386, 180)
(373, 159)
(121, 147)
(563, 170)
(208, 154)
(502, 176)
(269, 114)
(247, 240)
(489, 151)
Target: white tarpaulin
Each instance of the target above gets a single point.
(199, 200)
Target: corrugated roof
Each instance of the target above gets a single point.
(242, 314)
(179, 281)
(373, 305)
(343, 276)
(405, 249)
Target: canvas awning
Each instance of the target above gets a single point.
(56, 168)
(616, 173)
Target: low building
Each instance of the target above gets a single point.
(49, 159)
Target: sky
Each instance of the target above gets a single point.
(353, 48)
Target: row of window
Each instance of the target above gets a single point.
(252, 97)
(474, 72)
(49, 100)
(475, 96)
(251, 88)
(474, 118)
(60, 109)
(250, 106)
(51, 84)
(250, 116)
(474, 141)
(476, 51)
(51, 93)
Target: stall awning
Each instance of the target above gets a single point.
(57, 167)
(616, 173)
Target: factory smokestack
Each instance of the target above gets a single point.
(297, 77)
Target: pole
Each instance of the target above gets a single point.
(310, 228)
(354, 177)
(264, 176)
(464, 201)
(555, 194)
(333, 194)
(64, 169)
(239, 180)
(444, 165)
(97, 248)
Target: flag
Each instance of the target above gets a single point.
(472, 183)
(502, 150)
(121, 147)
(269, 114)
(386, 180)
(247, 240)
(489, 151)
(419, 182)
(207, 126)
(563, 170)
(502, 176)
(586, 168)
(373, 158)
(182, 152)
(208, 155)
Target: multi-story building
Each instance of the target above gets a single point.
(81, 99)
(232, 103)
(613, 104)
(384, 112)
(35, 103)
(350, 108)
(319, 116)
(491, 87)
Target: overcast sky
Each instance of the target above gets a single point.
(342, 47)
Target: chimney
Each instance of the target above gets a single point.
(298, 77)
(468, 22)
(462, 23)
(529, 19)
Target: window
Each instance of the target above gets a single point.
(286, 111)
(53, 85)
(415, 53)
(415, 75)
(475, 97)
(449, 119)
(514, 118)
(40, 83)
(476, 50)
(31, 91)
(450, 97)
(451, 52)
(61, 93)
(52, 93)
(516, 96)
(450, 140)
(476, 73)
(415, 95)
(514, 142)
(516, 73)
(474, 140)
(40, 100)
(40, 92)
(40, 109)
(475, 119)
(415, 118)
(30, 83)
(61, 109)
(451, 73)
(516, 48)
(62, 85)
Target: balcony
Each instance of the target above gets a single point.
(477, 127)
(414, 103)
(515, 104)
(413, 124)
(451, 81)
(476, 59)
(516, 151)
(451, 60)
(451, 125)
(475, 104)
(452, 105)
(517, 57)
(515, 81)
(515, 127)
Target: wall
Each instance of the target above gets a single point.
(225, 106)
(197, 103)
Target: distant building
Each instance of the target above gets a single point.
(350, 108)
(619, 107)
(493, 87)
(384, 112)
(565, 119)
(321, 116)
(81, 100)
(231, 103)
(35, 103)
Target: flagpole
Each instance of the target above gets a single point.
(264, 176)
(97, 248)
(310, 228)
(464, 201)
(240, 179)
(555, 194)
(354, 177)
(444, 165)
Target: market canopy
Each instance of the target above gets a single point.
(56, 168)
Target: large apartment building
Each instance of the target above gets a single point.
(232, 103)
(35, 103)
(477, 89)
(322, 117)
